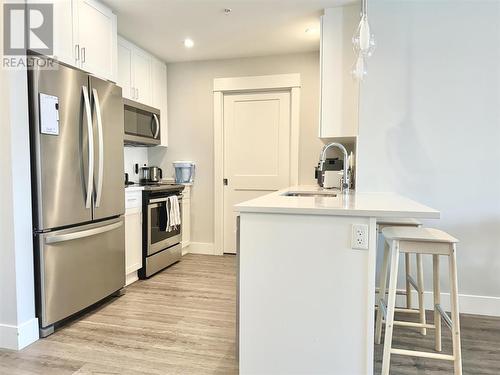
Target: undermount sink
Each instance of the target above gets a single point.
(314, 194)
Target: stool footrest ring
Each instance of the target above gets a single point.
(414, 353)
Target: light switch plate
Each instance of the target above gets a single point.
(359, 236)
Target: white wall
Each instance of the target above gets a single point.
(430, 125)
(18, 325)
(132, 156)
(190, 120)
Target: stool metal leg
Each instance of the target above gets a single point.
(408, 285)
(457, 351)
(381, 295)
(389, 325)
(437, 301)
(420, 283)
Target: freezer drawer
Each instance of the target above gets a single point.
(78, 267)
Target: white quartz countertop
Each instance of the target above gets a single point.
(134, 188)
(351, 204)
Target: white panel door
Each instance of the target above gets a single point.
(142, 76)
(96, 35)
(256, 151)
(125, 69)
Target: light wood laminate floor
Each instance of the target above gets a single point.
(182, 321)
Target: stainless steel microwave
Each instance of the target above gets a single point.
(142, 124)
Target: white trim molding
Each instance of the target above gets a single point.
(271, 82)
(467, 303)
(18, 337)
(287, 82)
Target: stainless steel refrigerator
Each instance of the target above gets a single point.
(76, 130)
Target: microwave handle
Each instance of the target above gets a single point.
(157, 122)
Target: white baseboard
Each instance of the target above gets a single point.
(131, 278)
(18, 337)
(206, 248)
(468, 304)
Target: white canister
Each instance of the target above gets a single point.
(184, 172)
(332, 179)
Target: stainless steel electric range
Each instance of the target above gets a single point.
(160, 247)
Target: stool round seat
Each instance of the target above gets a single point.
(417, 234)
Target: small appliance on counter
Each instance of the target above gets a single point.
(151, 175)
(332, 166)
(184, 172)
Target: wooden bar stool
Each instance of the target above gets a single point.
(436, 243)
(409, 281)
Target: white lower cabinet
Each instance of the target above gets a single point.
(186, 217)
(133, 235)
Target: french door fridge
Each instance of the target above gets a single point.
(76, 130)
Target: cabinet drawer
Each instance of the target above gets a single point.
(133, 199)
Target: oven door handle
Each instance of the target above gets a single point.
(158, 200)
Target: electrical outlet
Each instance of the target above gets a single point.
(359, 236)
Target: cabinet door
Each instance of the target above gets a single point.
(141, 65)
(64, 48)
(125, 68)
(133, 240)
(159, 100)
(339, 91)
(95, 29)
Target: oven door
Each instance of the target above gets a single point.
(158, 238)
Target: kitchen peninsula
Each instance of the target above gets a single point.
(306, 286)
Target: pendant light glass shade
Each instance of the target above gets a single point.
(359, 70)
(364, 41)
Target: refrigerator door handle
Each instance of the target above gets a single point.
(100, 172)
(82, 234)
(90, 138)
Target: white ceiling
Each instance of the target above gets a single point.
(253, 28)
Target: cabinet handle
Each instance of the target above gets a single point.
(77, 52)
(83, 54)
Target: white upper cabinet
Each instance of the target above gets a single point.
(94, 29)
(339, 91)
(134, 72)
(125, 69)
(143, 78)
(159, 75)
(141, 64)
(85, 35)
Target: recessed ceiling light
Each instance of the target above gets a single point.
(188, 43)
(227, 11)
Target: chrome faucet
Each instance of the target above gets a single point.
(345, 176)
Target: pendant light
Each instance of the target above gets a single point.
(363, 43)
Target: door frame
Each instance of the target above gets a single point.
(223, 86)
